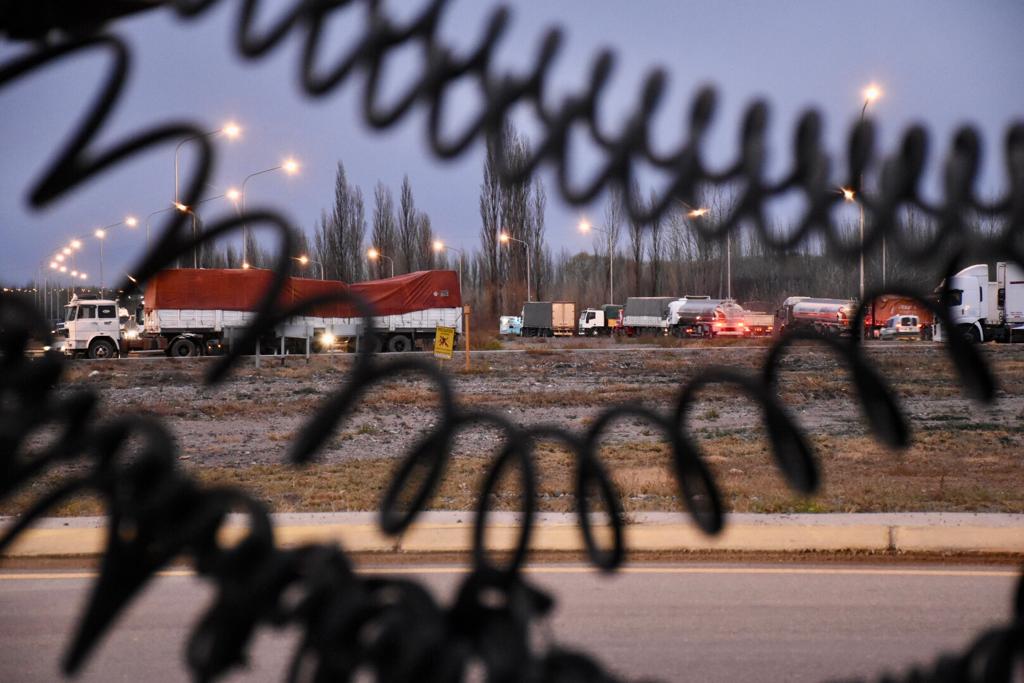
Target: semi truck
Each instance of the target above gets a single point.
(601, 321)
(95, 328)
(826, 316)
(548, 318)
(191, 312)
(645, 315)
(883, 308)
(985, 310)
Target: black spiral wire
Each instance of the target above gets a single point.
(157, 512)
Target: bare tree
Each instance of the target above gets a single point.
(405, 259)
(656, 251)
(490, 227)
(339, 235)
(636, 241)
(540, 255)
(424, 242)
(614, 216)
(384, 227)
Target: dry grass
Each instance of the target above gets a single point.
(944, 470)
(955, 463)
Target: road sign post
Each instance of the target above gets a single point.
(465, 328)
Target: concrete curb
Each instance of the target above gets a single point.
(450, 532)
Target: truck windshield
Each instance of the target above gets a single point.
(956, 297)
(70, 312)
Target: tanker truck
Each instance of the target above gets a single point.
(825, 316)
(702, 316)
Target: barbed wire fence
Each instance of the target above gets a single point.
(395, 628)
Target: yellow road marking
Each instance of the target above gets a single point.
(812, 571)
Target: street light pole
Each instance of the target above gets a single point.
(231, 194)
(304, 260)
(230, 129)
(871, 93)
(290, 167)
(374, 253)
(505, 237)
(585, 227)
(439, 246)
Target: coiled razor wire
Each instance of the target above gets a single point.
(395, 628)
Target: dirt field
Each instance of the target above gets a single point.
(965, 456)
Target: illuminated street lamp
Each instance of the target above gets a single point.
(305, 260)
(505, 239)
(101, 234)
(290, 166)
(440, 246)
(373, 254)
(871, 93)
(231, 130)
(187, 209)
(586, 226)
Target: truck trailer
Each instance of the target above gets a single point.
(548, 318)
(983, 310)
(200, 311)
(646, 315)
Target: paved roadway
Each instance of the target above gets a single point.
(696, 622)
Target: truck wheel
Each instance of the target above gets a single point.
(970, 333)
(399, 344)
(183, 348)
(101, 348)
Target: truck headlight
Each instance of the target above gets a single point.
(327, 339)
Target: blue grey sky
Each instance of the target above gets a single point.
(939, 62)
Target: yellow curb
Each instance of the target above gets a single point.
(959, 539)
(567, 537)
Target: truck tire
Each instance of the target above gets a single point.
(399, 343)
(183, 347)
(970, 333)
(102, 348)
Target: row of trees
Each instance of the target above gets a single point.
(673, 256)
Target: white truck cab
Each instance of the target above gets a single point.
(983, 310)
(93, 328)
(591, 321)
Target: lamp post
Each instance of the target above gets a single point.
(506, 238)
(290, 167)
(101, 235)
(440, 246)
(230, 194)
(230, 129)
(585, 226)
(305, 260)
(373, 254)
(871, 93)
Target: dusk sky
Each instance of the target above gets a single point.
(938, 62)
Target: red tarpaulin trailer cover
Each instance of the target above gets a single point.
(241, 290)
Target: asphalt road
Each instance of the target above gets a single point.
(674, 622)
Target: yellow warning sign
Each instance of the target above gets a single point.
(444, 342)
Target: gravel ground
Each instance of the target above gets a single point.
(252, 417)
